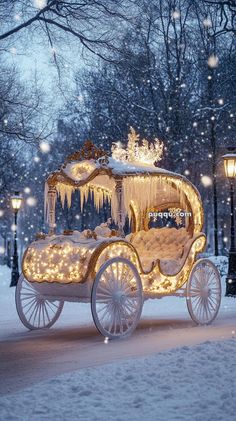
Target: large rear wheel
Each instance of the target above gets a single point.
(117, 298)
(204, 292)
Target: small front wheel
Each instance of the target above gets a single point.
(35, 311)
(204, 292)
(117, 298)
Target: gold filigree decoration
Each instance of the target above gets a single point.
(88, 151)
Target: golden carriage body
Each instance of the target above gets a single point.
(114, 272)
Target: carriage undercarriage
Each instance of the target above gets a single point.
(40, 305)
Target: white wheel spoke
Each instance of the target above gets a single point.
(29, 301)
(104, 290)
(40, 305)
(122, 275)
(31, 306)
(103, 298)
(115, 320)
(52, 303)
(111, 321)
(52, 306)
(30, 297)
(102, 308)
(108, 281)
(43, 313)
(106, 312)
(35, 313)
(46, 311)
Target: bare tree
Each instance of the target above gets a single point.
(21, 123)
(226, 12)
(91, 22)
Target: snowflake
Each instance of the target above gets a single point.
(207, 23)
(45, 147)
(213, 61)
(176, 14)
(31, 201)
(40, 4)
(206, 181)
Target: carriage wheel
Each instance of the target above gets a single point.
(117, 298)
(35, 312)
(204, 292)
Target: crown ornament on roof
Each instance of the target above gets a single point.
(138, 150)
(88, 151)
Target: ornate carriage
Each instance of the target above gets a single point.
(114, 272)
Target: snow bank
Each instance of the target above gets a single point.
(190, 383)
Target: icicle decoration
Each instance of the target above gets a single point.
(46, 189)
(147, 191)
(151, 191)
(65, 192)
(114, 208)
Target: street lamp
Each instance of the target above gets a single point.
(230, 171)
(16, 201)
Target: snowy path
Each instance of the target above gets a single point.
(73, 343)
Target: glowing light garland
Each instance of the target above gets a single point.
(137, 150)
(56, 262)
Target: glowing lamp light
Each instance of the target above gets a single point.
(230, 165)
(230, 172)
(16, 201)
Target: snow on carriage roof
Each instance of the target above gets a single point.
(121, 167)
(81, 170)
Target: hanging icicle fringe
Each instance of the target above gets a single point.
(147, 191)
(100, 196)
(144, 191)
(65, 191)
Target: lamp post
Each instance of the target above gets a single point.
(16, 201)
(230, 171)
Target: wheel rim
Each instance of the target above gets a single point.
(204, 292)
(117, 298)
(34, 311)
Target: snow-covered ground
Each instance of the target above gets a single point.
(189, 383)
(180, 382)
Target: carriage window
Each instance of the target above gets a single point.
(172, 217)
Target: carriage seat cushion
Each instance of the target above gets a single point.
(165, 244)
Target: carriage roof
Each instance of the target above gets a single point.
(131, 187)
